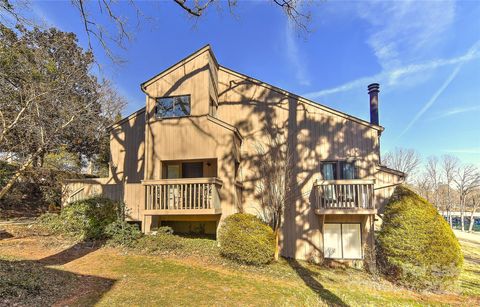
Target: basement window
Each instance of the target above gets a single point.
(342, 241)
(175, 106)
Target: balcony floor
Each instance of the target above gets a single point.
(337, 211)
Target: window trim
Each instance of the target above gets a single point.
(362, 257)
(172, 96)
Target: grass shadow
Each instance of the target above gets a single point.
(34, 283)
(308, 278)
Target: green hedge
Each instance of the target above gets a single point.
(246, 239)
(84, 219)
(417, 248)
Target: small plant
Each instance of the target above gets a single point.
(160, 242)
(417, 248)
(246, 239)
(121, 233)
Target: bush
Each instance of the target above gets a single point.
(121, 233)
(246, 239)
(85, 219)
(160, 242)
(417, 248)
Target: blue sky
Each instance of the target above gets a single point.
(425, 55)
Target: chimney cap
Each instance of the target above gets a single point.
(374, 87)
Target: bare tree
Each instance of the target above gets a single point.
(97, 17)
(274, 184)
(424, 185)
(474, 201)
(467, 178)
(449, 165)
(433, 174)
(405, 160)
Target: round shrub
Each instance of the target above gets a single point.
(246, 239)
(417, 248)
(122, 233)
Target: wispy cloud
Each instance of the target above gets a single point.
(403, 36)
(456, 111)
(394, 76)
(472, 51)
(293, 55)
(405, 32)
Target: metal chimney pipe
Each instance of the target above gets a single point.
(373, 90)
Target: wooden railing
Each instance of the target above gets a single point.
(344, 194)
(182, 194)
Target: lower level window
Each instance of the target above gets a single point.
(342, 241)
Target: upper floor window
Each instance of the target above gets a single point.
(338, 170)
(175, 106)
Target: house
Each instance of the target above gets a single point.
(190, 158)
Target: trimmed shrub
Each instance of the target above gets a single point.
(246, 239)
(121, 233)
(160, 242)
(84, 219)
(417, 248)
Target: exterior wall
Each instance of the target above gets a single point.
(313, 133)
(198, 136)
(127, 149)
(386, 181)
(132, 194)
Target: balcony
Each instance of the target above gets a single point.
(344, 197)
(184, 196)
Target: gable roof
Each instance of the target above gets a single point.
(208, 48)
(178, 64)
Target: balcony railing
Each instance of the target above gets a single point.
(344, 194)
(183, 195)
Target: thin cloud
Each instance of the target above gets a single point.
(395, 76)
(473, 50)
(294, 56)
(456, 111)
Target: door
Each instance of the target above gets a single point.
(192, 170)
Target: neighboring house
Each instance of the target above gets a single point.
(190, 158)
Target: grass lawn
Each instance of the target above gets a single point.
(37, 270)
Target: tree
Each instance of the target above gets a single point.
(48, 99)
(474, 201)
(434, 176)
(467, 178)
(97, 17)
(405, 160)
(274, 184)
(449, 165)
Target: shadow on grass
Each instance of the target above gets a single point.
(308, 278)
(33, 283)
(5, 235)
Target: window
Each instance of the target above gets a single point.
(342, 241)
(175, 106)
(173, 171)
(338, 170)
(192, 170)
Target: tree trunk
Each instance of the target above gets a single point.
(17, 174)
(462, 213)
(472, 220)
(277, 247)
